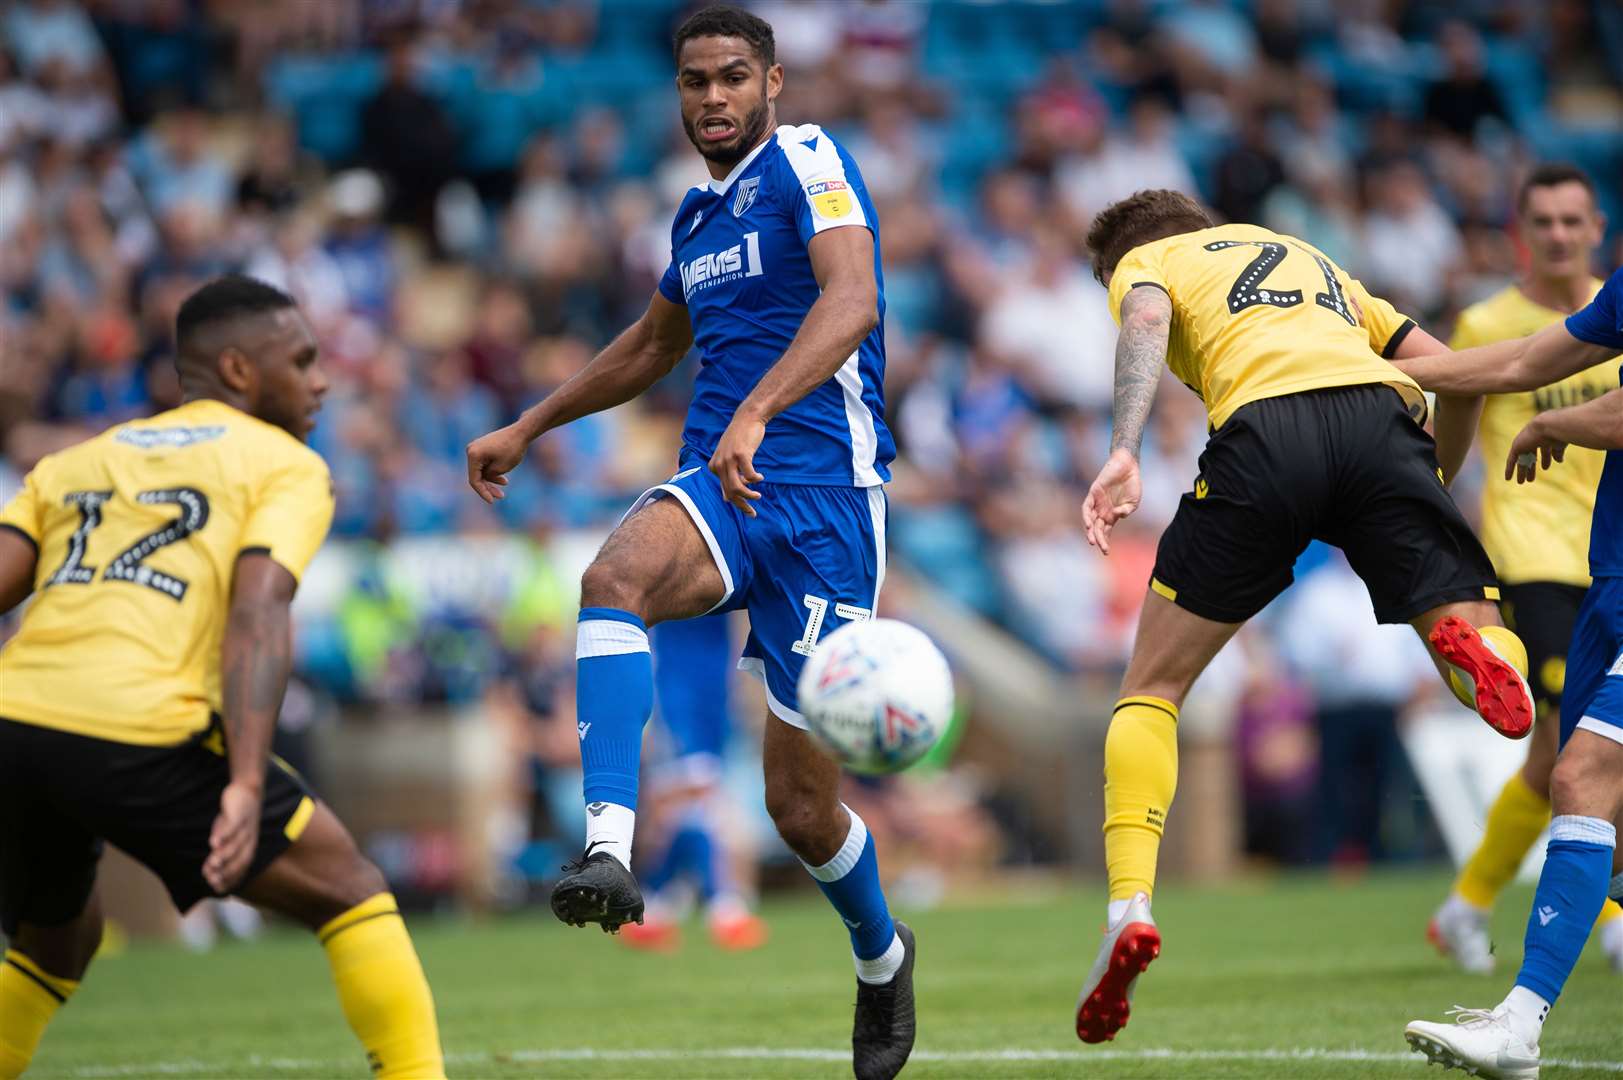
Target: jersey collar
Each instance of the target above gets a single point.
(720, 186)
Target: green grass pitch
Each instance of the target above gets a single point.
(1296, 977)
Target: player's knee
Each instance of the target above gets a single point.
(810, 830)
(607, 585)
(1578, 785)
(355, 883)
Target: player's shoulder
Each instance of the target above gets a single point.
(1492, 309)
(808, 151)
(1612, 289)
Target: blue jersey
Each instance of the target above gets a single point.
(1601, 323)
(740, 262)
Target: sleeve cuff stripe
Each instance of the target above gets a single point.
(1153, 285)
(8, 527)
(1397, 339)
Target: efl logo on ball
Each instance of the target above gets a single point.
(876, 694)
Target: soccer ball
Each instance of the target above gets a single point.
(877, 695)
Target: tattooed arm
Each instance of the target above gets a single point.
(255, 658)
(1141, 351)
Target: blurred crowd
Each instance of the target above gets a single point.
(469, 197)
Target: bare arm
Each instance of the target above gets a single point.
(255, 658)
(1596, 424)
(18, 560)
(1506, 366)
(844, 314)
(1141, 352)
(1454, 421)
(642, 355)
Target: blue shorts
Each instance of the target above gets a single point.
(1592, 698)
(811, 559)
(693, 665)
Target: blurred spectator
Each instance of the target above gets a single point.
(1463, 97)
(1247, 170)
(409, 139)
(43, 31)
(1411, 248)
(175, 164)
(359, 245)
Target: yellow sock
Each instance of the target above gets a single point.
(29, 997)
(1507, 645)
(1515, 819)
(1141, 773)
(1608, 912)
(383, 991)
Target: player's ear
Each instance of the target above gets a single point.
(238, 372)
(774, 81)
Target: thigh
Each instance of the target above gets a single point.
(1399, 526)
(1231, 545)
(47, 858)
(819, 561)
(1172, 647)
(1543, 614)
(318, 877)
(1594, 675)
(678, 553)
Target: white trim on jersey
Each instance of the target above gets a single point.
(859, 420)
(754, 665)
(1605, 729)
(821, 175)
(720, 186)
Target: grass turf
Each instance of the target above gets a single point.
(1295, 963)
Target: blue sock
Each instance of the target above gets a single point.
(1571, 890)
(850, 880)
(666, 867)
(614, 693)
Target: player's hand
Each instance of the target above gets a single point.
(234, 837)
(1113, 496)
(734, 461)
(1530, 449)
(491, 457)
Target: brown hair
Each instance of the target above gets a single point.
(1138, 219)
(1553, 174)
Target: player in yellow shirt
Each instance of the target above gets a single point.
(1537, 535)
(1314, 436)
(138, 697)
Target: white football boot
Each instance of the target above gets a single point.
(1460, 931)
(1128, 948)
(1479, 1041)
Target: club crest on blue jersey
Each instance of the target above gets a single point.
(745, 197)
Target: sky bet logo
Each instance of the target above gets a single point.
(739, 261)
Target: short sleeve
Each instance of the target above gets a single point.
(670, 285)
(1140, 266)
(1601, 322)
(24, 512)
(826, 182)
(1384, 324)
(291, 512)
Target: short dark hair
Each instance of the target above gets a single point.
(1553, 174)
(228, 297)
(725, 21)
(1138, 219)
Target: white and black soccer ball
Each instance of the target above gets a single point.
(876, 694)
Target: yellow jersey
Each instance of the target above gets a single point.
(1538, 531)
(138, 532)
(1258, 314)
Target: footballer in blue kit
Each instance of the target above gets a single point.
(1582, 865)
(777, 505)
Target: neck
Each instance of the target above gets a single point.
(719, 171)
(1566, 294)
(189, 394)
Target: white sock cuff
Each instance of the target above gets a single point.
(608, 637)
(882, 968)
(1616, 889)
(1589, 830)
(844, 859)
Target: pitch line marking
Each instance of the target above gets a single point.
(764, 1053)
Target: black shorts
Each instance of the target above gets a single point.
(1543, 613)
(62, 795)
(1344, 465)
